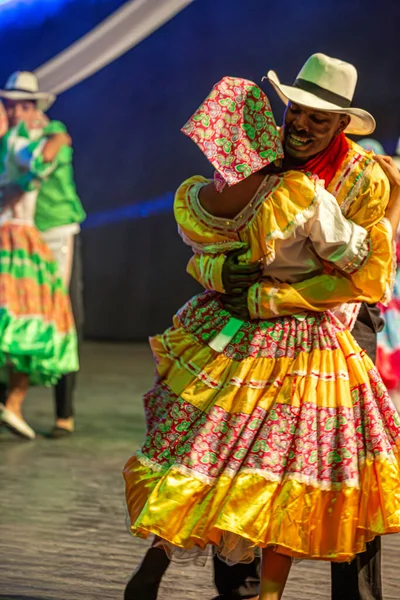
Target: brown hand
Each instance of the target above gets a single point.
(236, 276)
(54, 145)
(392, 212)
(236, 305)
(388, 165)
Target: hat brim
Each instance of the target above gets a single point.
(43, 99)
(361, 122)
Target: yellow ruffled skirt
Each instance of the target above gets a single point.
(287, 438)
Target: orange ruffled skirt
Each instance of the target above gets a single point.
(287, 438)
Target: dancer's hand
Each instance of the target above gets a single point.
(388, 165)
(236, 276)
(393, 174)
(237, 305)
(10, 195)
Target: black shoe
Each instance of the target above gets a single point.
(59, 432)
(224, 597)
(147, 577)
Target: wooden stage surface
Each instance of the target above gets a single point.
(62, 520)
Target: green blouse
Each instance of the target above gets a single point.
(58, 202)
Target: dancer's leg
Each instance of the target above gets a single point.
(237, 582)
(146, 579)
(19, 383)
(64, 391)
(274, 573)
(361, 579)
(64, 397)
(11, 414)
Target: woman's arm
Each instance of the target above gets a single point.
(223, 272)
(54, 144)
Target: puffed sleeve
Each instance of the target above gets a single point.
(198, 231)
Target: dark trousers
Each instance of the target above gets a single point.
(359, 580)
(239, 581)
(64, 390)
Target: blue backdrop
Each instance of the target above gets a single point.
(125, 122)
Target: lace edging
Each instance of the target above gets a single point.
(388, 295)
(359, 260)
(360, 179)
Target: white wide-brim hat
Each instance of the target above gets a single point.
(326, 84)
(23, 85)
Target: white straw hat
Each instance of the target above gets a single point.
(326, 84)
(23, 85)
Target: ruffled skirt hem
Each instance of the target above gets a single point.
(239, 515)
(287, 438)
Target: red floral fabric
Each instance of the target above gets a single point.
(310, 443)
(235, 128)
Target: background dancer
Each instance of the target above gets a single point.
(38, 339)
(58, 215)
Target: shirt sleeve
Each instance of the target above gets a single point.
(336, 239)
(369, 282)
(29, 156)
(206, 269)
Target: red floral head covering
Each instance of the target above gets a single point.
(236, 130)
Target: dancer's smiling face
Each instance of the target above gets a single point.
(308, 131)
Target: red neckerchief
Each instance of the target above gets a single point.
(325, 164)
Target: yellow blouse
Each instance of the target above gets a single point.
(280, 205)
(362, 191)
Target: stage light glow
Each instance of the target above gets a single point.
(27, 13)
(132, 212)
(23, 14)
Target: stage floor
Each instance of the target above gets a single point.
(62, 516)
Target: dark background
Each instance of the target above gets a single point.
(125, 122)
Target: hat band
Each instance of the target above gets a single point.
(20, 90)
(323, 93)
